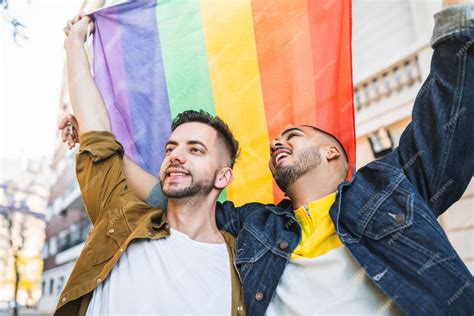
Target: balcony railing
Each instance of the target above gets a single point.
(391, 80)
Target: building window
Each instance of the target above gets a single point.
(63, 240)
(51, 286)
(75, 236)
(381, 142)
(43, 287)
(53, 247)
(60, 284)
(45, 251)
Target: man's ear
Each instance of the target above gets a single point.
(224, 178)
(333, 153)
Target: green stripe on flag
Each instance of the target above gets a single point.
(185, 58)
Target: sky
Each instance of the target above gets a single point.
(31, 75)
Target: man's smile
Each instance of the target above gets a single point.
(279, 155)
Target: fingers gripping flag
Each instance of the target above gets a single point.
(260, 65)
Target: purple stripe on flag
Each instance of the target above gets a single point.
(110, 77)
(147, 90)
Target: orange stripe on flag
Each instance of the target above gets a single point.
(283, 42)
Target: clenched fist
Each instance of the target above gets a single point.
(78, 29)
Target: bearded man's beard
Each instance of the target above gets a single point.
(201, 187)
(309, 158)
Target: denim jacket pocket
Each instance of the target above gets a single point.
(390, 216)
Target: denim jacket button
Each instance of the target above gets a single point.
(240, 309)
(111, 231)
(400, 218)
(259, 296)
(283, 245)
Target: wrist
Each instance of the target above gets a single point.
(74, 41)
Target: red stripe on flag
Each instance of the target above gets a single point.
(330, 25)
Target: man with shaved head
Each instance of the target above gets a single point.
(371, 245)
(335, 167)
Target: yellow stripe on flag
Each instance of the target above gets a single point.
(235, 80)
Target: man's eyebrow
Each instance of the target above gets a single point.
(189, 142)
(171, 142)
(291, 130)
(196, 142)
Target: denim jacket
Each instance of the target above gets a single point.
(386, 216)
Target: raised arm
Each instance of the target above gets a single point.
(436, 150)
(87, 103)
(90, 112)
(100, 163)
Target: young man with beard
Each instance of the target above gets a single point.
(138, 259)
(343, 247)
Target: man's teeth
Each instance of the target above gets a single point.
(177, 174)
(281, 155)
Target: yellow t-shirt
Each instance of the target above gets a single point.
(318, 232)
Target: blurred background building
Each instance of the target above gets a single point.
(391, 58)
(68, 224)
(23, 197)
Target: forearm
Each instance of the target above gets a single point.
(88, 106)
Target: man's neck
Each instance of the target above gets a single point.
(313, 186)
(195, 217)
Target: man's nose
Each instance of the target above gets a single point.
(275, 144)
(177, 156)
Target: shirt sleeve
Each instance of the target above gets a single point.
(99, 171)
(156, 198)
(435, 151)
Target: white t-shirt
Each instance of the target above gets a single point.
(169, 276)
(331, 284)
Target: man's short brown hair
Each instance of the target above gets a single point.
(215, 122)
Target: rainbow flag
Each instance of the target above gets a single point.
(260, 65)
